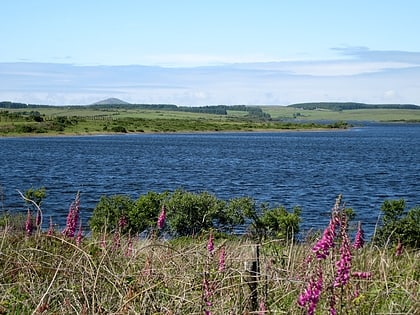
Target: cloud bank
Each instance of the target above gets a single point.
(359, 75)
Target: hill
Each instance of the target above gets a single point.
(111, 101)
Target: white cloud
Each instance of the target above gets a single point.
(391, 77)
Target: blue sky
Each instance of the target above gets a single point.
(189, 52)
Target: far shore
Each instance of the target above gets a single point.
(70, 134)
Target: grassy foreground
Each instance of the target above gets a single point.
(48, 273)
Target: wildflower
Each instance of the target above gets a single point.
(129, 251)
(311, 294)
(398, 250)
(122, 222)
(38, 219)
(323, 246)
(332, 309)
(344, 264)
(210, 243)
(207, 293)
(362, 274)
(262, 308)
(28, 224)
(116, 240)
(51, 228)
(79, 235)
(359, 238)
(72, 218)
(222, 256)
(161, 219)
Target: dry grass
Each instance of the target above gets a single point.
(43, 274)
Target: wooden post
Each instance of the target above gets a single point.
(253, 269)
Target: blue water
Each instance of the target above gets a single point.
(307, 169)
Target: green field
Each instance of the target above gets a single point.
(56, 120)
(378, 115)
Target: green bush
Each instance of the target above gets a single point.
(143, 216)
(121, 129)
(109, 211)
(399, 225)
(190, 213)
(280, 223)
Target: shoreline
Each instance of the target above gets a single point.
(69, 134)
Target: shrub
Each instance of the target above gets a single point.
(143, 215)
(280, 223)
(399, 225)
(109, 211)
(119, 129)
(190, 213)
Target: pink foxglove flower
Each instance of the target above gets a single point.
(129, 251)
(122, 222)
(362, 274)
(398, 250)
(210, 243)
(28, 224)
(344, 264)
(51, 228)
(359, 238)
(222, 257)
(323, 246)
(79, 235)
(72, 218)
(262, 310)
(207, 294)
(310, 296)
(162, 218)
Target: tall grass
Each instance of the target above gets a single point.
(112, 274)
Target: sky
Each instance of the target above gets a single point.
(192, 52)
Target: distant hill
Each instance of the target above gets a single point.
(111, 101)
(350, 105)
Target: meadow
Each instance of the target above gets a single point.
(65, 271)
(79, 120)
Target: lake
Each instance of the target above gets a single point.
(308, 169)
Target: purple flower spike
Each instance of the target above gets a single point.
(28, 224)
(72, 218)
(210, 243)
(222, 257)
(161, 219)
(359, 239)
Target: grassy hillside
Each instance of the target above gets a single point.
(378, 114)
(140, 118)
(20, 119)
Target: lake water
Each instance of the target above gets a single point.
(307, 169)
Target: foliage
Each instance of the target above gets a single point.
(118, 129)
(108, 212)
(399, 225)
(190, 213)
(143, 215)
(36, 195)
(280, 223)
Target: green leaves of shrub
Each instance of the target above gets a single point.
(399, 225)
(190, 213)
